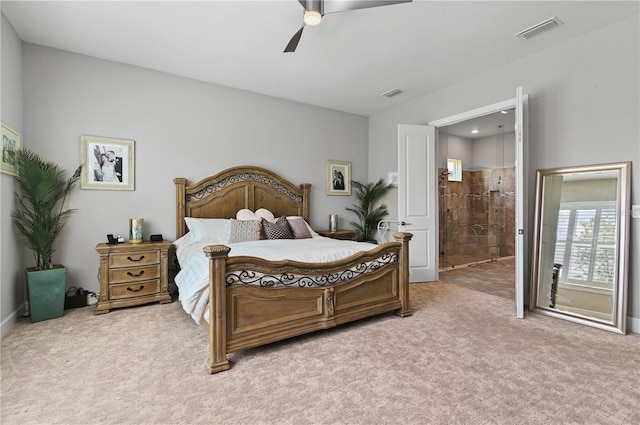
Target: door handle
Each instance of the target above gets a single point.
(404, 223)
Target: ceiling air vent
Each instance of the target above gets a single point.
(392, 93)
(539, 28)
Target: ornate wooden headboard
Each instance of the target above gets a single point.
(222, 195)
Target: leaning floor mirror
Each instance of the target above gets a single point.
(581, 244)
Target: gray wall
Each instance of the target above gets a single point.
(497, 151)
(182, 128)
(583, 109)
(11, 259)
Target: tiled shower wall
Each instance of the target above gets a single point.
(477, 216)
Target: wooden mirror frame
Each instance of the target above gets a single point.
(546, 232)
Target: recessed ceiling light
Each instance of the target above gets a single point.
(474, 131)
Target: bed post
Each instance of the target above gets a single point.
(306, 201)
(404, 238)
(180, 183)
(218, 255)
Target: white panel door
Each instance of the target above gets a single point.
(417, 198)
(521, 149)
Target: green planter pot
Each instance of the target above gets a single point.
(46, 293)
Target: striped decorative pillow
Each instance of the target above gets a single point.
(245, 230)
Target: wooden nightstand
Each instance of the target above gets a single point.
(132, 274)
(345, 235)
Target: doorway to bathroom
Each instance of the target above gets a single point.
(477, 203)
(419, 158)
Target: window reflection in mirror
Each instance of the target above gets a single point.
(579, 268)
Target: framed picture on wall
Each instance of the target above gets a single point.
(108, 163)
(338, 177)
(10, 141)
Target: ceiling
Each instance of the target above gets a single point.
(345, 63)
(484, 126)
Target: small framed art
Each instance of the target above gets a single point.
(108, 163)
(10, 141)
(338, 177)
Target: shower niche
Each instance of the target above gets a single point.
(477, 210)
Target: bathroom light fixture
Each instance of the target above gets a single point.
(312, 17)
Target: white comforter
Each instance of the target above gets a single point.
(193, 279)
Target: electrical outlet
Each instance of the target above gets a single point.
(635, 211)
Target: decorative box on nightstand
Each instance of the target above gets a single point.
(345, 235)
(133, 274)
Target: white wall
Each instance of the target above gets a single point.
(583, 109)
(11, 260)
(182, 128)
(497, 151)
(455, 147)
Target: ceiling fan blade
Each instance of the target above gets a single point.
(293, 43)
(334, 6)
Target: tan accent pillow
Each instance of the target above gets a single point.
(299, 228)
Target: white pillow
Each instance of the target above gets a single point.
(209, 229)
(266, 214)
(247, 214)
(183, 241)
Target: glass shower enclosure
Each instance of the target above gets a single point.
(476, 188)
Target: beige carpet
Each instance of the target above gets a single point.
(462, 358)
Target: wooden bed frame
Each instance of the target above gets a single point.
(246, 316)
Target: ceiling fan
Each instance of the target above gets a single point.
(314, 10)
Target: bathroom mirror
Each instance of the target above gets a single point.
(580, 252)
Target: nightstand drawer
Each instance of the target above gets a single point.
(130, 259)
(137, 289)
(134, 274)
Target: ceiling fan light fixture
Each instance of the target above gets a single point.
(312, 17)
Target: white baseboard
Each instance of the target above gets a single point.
(633, 325)
(8, 323)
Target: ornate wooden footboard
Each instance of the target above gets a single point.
(309, 296)
(244, 316)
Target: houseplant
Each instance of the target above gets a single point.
(369, 215)
(42, 188)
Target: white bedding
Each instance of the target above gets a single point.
(193, 279)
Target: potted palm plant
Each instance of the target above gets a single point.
(42, 188)
(369, 215)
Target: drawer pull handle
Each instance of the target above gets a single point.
(139, 259)
(136, 275)
(136, 290)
